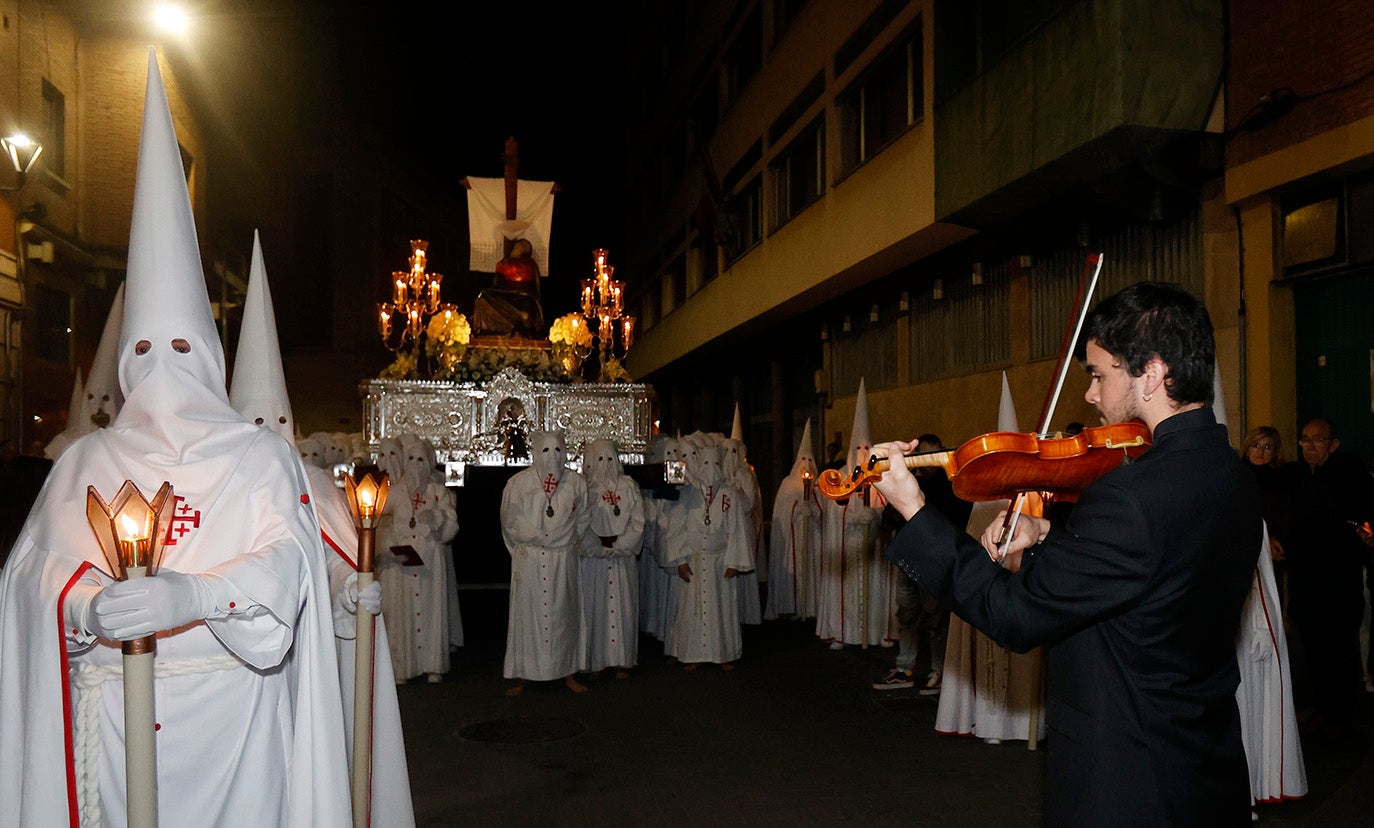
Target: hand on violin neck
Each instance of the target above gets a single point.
(897, 484)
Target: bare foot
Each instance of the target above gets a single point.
(575, 685)
(729, 665)
(687, 668)
(622, 674)
(516, 689)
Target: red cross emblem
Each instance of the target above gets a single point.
(417, 501)
(184, 519)
(550, 484)
(610, 496)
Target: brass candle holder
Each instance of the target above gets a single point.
(131, 532)
(366, 490)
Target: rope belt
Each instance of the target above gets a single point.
(88, 679)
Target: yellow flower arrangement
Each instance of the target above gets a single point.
(571, 329)
(569, 338)
(403, 368)
(446, 339)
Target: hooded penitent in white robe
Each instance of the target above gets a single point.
(419, 514)
(609, 583)
(96, 401)
(739, 475)
(795, 539)
(658, 581)
(543, 518)
(708, 532)
(247, 702)
(258, 392)
(987, 691)
(1268, 721)
(854, 588)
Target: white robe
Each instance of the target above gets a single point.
(987, 691)
(657, 580)
(545, 638)
(794, 550)
(750, 606)
(609, 579)
(416, 598)
(706, 621)
(391, 800)
(1268, 722)
(248, 705)
(854, 593)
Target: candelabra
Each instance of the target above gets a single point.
(414, 297)
(603, 306)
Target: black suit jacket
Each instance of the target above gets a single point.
(1140, 595)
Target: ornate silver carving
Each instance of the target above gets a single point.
(469, 423)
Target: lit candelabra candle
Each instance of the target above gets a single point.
(384, 319)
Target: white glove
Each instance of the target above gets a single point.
(349, 598)
(131, 609)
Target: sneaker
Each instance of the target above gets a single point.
(895, 680)
(932, 685)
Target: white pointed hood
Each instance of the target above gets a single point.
(1006, 410)
(77, 425)
(176, 423)
(737, 430)
(860, 443)
(258, 391)
(1218, 398)
(601, 462)
(549, 453)
(104, 397)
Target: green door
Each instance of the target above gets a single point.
(1335, 334)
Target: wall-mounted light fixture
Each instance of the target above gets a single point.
(846, 325)
(904, 302)
(873, 313)
(825, 332)
(937, 290)
(977, 273)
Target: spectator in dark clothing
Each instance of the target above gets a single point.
(1262, 451)
(1333, 501)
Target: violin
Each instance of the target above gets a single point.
(1003, 464)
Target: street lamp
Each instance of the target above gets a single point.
(23, 152)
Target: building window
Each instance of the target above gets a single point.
(1134, 253)
(746, 218)
(868, 352)
(744, 58)
(963, 333)
(799, 173)
(884, 102)
(53, 324)
(54, 130)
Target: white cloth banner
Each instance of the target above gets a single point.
(488, 226)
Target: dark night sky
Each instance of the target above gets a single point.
(546, 73)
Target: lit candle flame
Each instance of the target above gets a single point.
(130, 530)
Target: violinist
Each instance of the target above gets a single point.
(1139, 594)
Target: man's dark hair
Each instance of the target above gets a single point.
(933, 439)
(1150, 319)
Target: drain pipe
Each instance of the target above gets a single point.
(1243, 324)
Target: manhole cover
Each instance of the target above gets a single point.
(520, 731)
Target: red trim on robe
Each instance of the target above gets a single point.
(328, 541)
(72, 808)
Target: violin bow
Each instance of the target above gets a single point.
(1092, 270)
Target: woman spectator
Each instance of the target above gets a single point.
(1262, 450)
